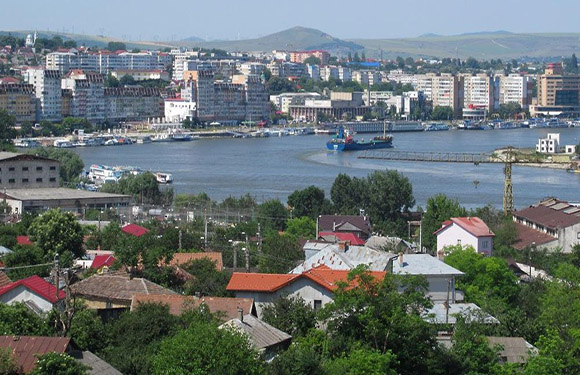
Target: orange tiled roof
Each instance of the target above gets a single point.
(179, 259)
(4, 279)
(472, 224)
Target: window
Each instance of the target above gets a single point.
(52, 179)
(24, 180)
(24, 169)
(39, 180)
(38, 169)
(317, 304)
(53, 168)
(11, 169)
(11, 181)
(578, 235)
(458, 241)
(485, 244)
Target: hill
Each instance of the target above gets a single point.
(296, 38)
(483, 45)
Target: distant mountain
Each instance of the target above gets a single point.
(481, 45)
(193, 39)
(296, 38)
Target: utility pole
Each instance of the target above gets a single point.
(235, 256)
(259, 238)
(56, 274)
(205, 230)
(247, 259)
(421, 234)
(180, 236)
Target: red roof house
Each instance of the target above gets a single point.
(26, 349)
(134, 230)
(465, 231)
(352, 238)
(34, 291)
(316, 286)
(180, 259)
(24, 240)
(101, 261)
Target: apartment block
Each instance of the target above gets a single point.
(313, 71)
(19, 101)
(301, 56)
(106, 61)
(256, 97)
(47, 89)
(515, 88)
(366, 77)
(328, 72)
(556, 89)
(141, 75)
(88, 94)
(444, 90)
(132, 103)
(481, 92)
(344, 74)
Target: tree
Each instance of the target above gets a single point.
(127, 80)
(143, 187)
(301, 227)
(7, 131)
(203, 348)
(207, 280)
(116, 46)
(309, 202)
(363, 362)
(440, 113)
(290, 314)
(439, 209)
(8, 365)
(280, 253)
(471, 350)
(312, 60)
(58, 364)
(88, 331)
(111, 81)
(58, 232)
(272, 215)
(18, 320)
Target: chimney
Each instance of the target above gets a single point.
(400, 259)
(342, 246)
(440, 255)
(241, 314)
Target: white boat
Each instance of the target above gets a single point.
(143, 140)
(26, 143)
(100, 174)
(164, 178)
(63, 143)
(433, 127)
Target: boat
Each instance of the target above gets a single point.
(435, 127)
(99, 174)
(173, 136)
(63, 143)
(144, 140)
(164, 178)
(26, 143)
(343, 141)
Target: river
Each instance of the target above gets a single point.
(275, 167)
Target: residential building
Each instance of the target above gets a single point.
(283, 101)
(551, 224)
(557, 93)
(481, 92)
(37, 294)
(252, 68)
(549, 145)
(88, 94)
(177, 110)
(328, 72)
(301, 56)
(313, 72)
(141, 75)
(18, 100)
(24, 171)
(257, 106)
(339, 104)
(132, 103)
(358, 225)
(47, 86)
(515, 88)
(344, 74)
(444, 90)
(465, 231)
(134, 230)
(366, 77)
(316, 286)
(106, 61)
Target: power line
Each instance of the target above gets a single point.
(20, 267)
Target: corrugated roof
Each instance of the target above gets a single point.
(37, 285)
(338, 236)
(116, 287)
(547, 217)
(515, 349)
(4, 279)
(345, 260)
(102, 260)
(423, 264)
(25, 349)
(470, 311)
(180, 259)
(261, 334)
(228, 307)
(135, 230)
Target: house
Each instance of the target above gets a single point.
(465, 231)
(26, 349)
(101, 261)
(134, 230)
(550, 224)
(37, 294)
(513, 349)
(266, 339)
(224, 307)
(181, 259)
(335, 237)
(4, 279)
(360, 226)
(315, 286)
(443, 313)
(391, 244)
(111, 294)
(440, 276)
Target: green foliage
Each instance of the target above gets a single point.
(57, 232)
(439, 209)
(18, 320)
(8, 365)
(204, 348)
(312, 60)
(88, 331)
(71, 124)
(363, 362)
(135, 337)
(309, 202)
(290, 314)
(71, 165)
(383, 195)
(509, 110)
(111, 81)
(127, 80)
(143, 188)
(272, 215)
(487, 280)
(471, 350)
(7, 131)
(301, 227)
(187, 200)
(58, 364)
(277, 85)
(116, 46)
(297, 360)
(442, 113)
(280, 253)
(207, 281)
(26, 256)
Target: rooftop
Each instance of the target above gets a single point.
(514, 349)
(438, 314)
(551, 213)
(261, 334)
(180, 259)
(338, 236)
(134, 230)
(4, 279)
(527, 237)
(336, 259)
(57, 193)
(333, 223)
(25, 349)
(37, 285)
(102, 260)
(423, 264)
(472, 224)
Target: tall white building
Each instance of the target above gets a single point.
(515, 88)
(328, 72)
(88, 95)
(106, 61)
(481, 91)
(47, 88)
(313, 72)
(344, 74)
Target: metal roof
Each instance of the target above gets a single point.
(57, 193)
(97, 365)
(438, 314)
(336, 259)
(261, 334)
(423, 264)
(25, 349)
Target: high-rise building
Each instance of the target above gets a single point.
(445, 90)
(88, 94)
(301, 56)
(47, 88)
(481, 91)
(515, 88)
(133, 103)
(19, 101)
(557, 93)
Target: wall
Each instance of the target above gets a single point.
(22, 294)
(452, 235)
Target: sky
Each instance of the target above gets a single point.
(226, 19)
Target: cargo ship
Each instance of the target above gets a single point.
(343, 141)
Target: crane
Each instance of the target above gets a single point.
(507, 156)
